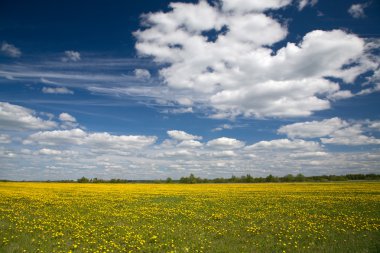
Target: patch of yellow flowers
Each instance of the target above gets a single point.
(302, 217)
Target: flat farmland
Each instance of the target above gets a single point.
(282, 217)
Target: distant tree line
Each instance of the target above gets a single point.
(191, 179)
(97, 180)
(272, 179)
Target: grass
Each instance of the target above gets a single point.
(301, 217)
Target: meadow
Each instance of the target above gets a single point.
(282, 217)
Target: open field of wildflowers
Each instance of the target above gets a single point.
(302, 217)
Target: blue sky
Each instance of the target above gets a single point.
(152, 89)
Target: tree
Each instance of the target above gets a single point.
(234, 179)
(83, 180)
(249, 178)
(192, 179)
(288, 178)
(300, 177)
(269, 178)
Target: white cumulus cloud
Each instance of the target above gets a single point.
(68, 121)
(357, 10)
(106, 140)
(243, 6)
(375, 125)
(285, 145)
(313, 129)
(71, 55)
(15, 117)
(57, 137)
(182, 136)
(47, 151)
(332, 131)
(224, 154)
(303, 3)
(96, 141)
(225, 143)
(190, 144)
(222, 127)
(142, 73)
(224, 61)
(5, 139)
(309, 155)
(352, 135)
(67, 117)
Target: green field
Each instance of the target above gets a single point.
(298, 217)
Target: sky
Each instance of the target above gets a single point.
(156, 89)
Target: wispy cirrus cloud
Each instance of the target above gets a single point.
(94, 71)
(57, 90)
(10, 50)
